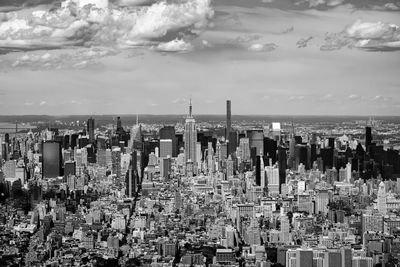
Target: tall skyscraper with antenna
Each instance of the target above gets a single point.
(190, 137)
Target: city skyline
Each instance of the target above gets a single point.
(200, 133)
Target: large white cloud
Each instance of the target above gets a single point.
(374, 35)
(160, 18)
(174, 46)
(98, 22)
(373, 30)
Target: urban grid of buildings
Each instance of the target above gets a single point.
(185, 195)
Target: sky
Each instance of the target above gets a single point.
(289, 57)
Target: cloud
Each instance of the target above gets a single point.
(134, 2)
(370, 36)
(174, 46)
(180, 101)
(160, 18)
(391, 6)
(29, 103)
(98, 23)
(379, 98)
(303, 42)
(42, 103)
(374, 35)
(296, 98)
(327, 98)
(69, 59)
(262, 47)
(317, 3)
(76, 102)
(334, 41)
(354, 97)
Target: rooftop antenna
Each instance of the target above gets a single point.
(190, 107)
(137, 118)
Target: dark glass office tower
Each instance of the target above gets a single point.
(258, 170)
(90, 129)
(74, 140)
(228, 119)
(233, 142)
(66, 141)
(69, 169)
(368, 137)
(270, 148)
(168, 132)
(52, 159)
(282, 163)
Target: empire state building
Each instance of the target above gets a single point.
(190, 137)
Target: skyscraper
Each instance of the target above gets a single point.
(228, 119)
(282, 164)
(168, 132)
(131, 182)
(258, 170)
(165, 148)
(368, 137)
(382, 205)
(52, 159)
(136, 137)
(190, 137)
(244, 149)
(69, 169)
(273, 180)
(90, 129)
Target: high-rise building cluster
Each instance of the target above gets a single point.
(240, 194)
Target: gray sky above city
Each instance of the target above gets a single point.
(332, 57)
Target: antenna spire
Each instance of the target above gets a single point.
(190, 107)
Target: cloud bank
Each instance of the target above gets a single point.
(101, 23)
(370, 36)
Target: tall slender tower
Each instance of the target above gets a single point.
(190, 137)
(90, 129)
(368, 137)
(228, 119)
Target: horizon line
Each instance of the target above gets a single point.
(200, 114)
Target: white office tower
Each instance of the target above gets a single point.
(245, 149)
(229, 167)
(190, 137)
(275, 132)
(321, 202)
(382, 205)
(198, 153)
(285, 230)
(210, 158)
(273, 180)
(157, 152)
(348, 172)
(262, 174)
